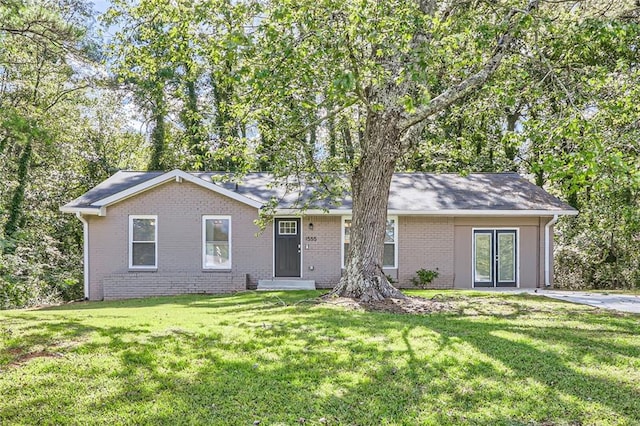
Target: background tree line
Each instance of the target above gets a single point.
(283, 87)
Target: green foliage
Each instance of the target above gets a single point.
(424, 277)
(36, 272)
(61, 133)
(290, 87)
(184, 59)
(565, 116)
(279, 359)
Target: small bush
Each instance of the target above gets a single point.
(424, 277)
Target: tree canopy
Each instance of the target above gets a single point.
(311, 88)
(509, 85)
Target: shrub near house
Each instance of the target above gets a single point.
(424, 277)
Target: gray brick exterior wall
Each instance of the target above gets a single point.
(179, 207)
(442, 243)
(426, 242)
(144, 284)
(321, 251)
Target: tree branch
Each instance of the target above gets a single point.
(320, 120)
(60, 96)
(473, 82)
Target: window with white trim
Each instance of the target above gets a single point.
(216, 242)
(143, 241)
(288, 227)
(390, 257)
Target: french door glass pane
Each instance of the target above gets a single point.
(506, 257)
(483, 261)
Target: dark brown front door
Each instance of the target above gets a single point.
(287, 247)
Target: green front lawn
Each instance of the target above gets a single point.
(493, 359)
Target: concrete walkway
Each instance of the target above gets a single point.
(616, 302)
(613, 301)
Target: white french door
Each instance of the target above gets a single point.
(495, 257)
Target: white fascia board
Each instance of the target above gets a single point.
(167, 177)
(97, 211)
(459, 212)
(309, 212)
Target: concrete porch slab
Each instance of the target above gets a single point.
(284, 284)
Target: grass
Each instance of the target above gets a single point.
(495, 359)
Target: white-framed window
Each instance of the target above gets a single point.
(143, 241)
(288, 227)
(390, 257)
(216, 242)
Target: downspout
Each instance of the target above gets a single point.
(547, 249)
(85, 250)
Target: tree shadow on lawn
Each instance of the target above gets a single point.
(249, 298)
(42, 339)
(346, 366)
(309, 384)
(555, 371)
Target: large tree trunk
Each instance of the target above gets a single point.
(192, 122)
(158, 134)
(387, 136)
(16, 207)
(158, 142)
(364, 278)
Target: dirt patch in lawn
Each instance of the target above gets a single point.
(23, 357)
(410, 305)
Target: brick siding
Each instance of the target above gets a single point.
(179, 207)
(321, 252)
(436, 243)
(425, 242)
(143, 284)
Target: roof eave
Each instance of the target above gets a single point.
(96, 211)
(450, 212)
(178, 175)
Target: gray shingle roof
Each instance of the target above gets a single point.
(119, 182)
(410, 192)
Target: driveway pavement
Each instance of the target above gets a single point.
(617, 302)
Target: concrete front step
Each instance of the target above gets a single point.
(280, 284)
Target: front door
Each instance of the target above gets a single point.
(495, 258)
(287, 247)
